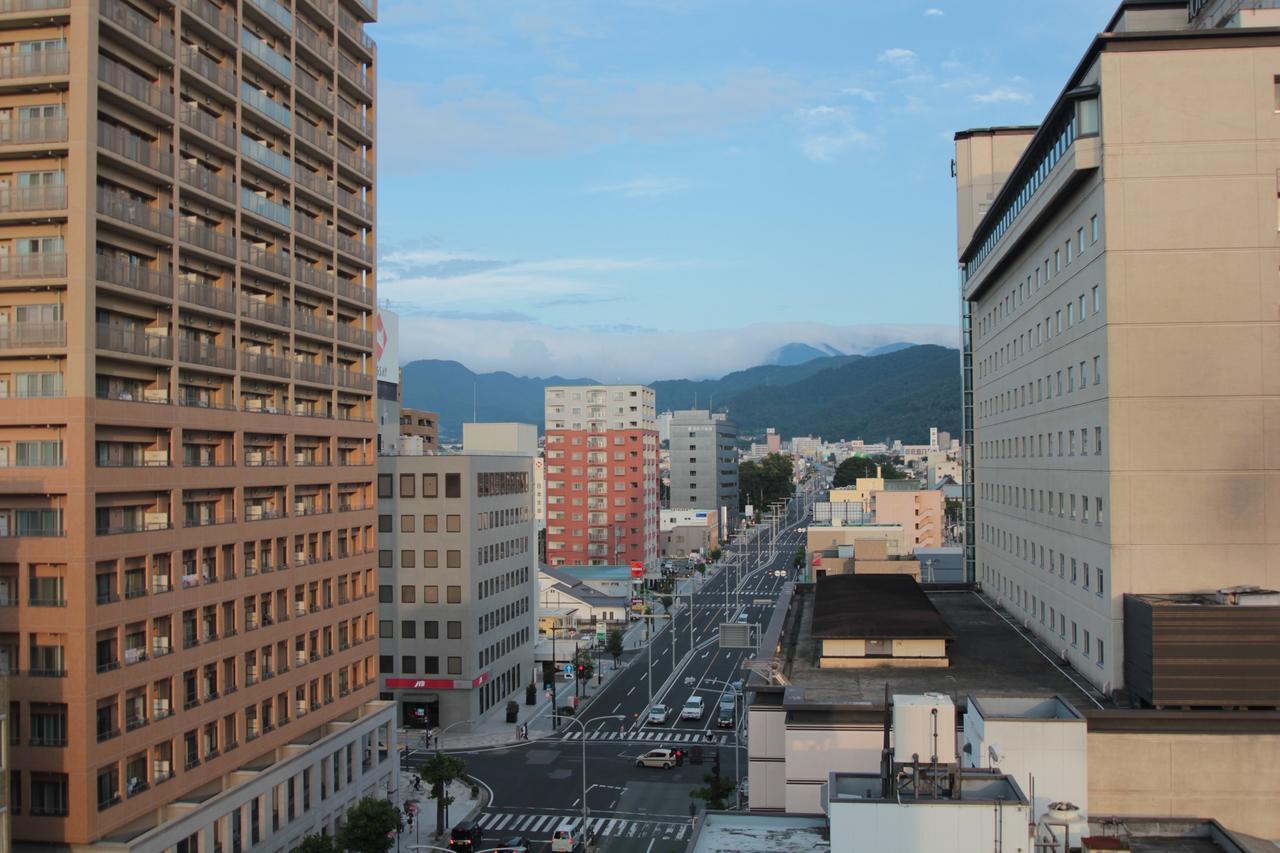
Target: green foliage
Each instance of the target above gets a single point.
(799, 561)
(856, 467)
(370, 827)
(318, 844)
(439, 771)
(715, 793)
(761, 483)
(613, 644)
(714, 554)
(582, 658)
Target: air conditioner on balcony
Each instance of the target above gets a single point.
(299, 458)
(253, 457)
(253, 404)
(155, 457)
(156, 520)
(156, 395)
(253, 513)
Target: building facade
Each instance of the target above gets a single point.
(1119, 289)
(457, 574)
(601, 475)
(186, 435)
(704, 464)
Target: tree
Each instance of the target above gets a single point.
(439, 772)
(613, 645)
(318, 844)
(761, 483)
(716, 792)
(370, 827)
(583, 664)
(955, 511)
(858, 467)
(714, 554)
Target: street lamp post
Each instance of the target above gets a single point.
(583, 726)
(440, 749)
(737, 767)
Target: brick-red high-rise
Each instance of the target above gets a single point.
(601, 474)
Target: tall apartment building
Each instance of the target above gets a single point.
(1118, 268)
(186, 435)
(458, 582)
(704, 464)
(602, 475)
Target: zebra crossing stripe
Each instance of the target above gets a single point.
(681, 830)
(501, 821)
(539, 823)
(572, 735)
(486, 820)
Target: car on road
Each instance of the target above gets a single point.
(514, 844)
(693, 708)
(743, 618)
(658, 715)
(466, 836)
(664, 758)
(727, 714)
(563, 841)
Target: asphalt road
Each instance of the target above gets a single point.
(537, 786)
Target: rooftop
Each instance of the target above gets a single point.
(746, 833)
(875, 606)
(1024, 708)
(1175, 835)
(977, 786)
(570, 574)
(989, 657)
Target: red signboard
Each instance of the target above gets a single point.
(435, 683)
(637, 569)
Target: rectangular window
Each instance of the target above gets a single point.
(408, 664)
(1081, 306)
(453, 485)
(385, 594)
(453, 523)
(1085, 576)
(430, 524)
(1102, 653)
(384, 523)
(1080, 240)
(1068, 251)
(1093, 225)
(1057, 260)
(384, 558)
(408, 629)
(455, 666)
(430, 665)
(1084, 376)
(1098, 576)
(431, 630)
(406, 485)
(1097, 441)
(407, 523)
(408, 558)
(1071, 384)
(431, 594)
(1097, 509)
(454, 630)
(1071, 314)
(384, 486)
(1058, 324)
(430, 559)
(408, 594)
(386, 629)
(1097, 370)
(430, 486)
(453, 559)
(453, 594)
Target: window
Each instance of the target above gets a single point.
(1093, 225)
(1084, 376)
(408, 629)
(455, 666)
(430, 486)
(384, 486)
(407, 594)
(430, 559)
(385, 594)
(1058, 324)
(1080, 240)
(1068, 251)
(431, 594)
(1102, 653)
(406, 485)
(1085, 576)
(453, 559)
(1057, 260)
(430, 665)
(408, 558)
(453, 594)
(1097, 510)
(455, 630)
(453, 485)
(1081, 305)
(1097, 370)
(1071, 386)
(1097, 441)
(453, 523)
(384, 523)
(409, 664)
(1071, 314)
(386, 629)
(430, 524)
(1099, 577)
(407, 523)
(384, 558)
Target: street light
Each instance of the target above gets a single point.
(583, 726)
(737, 768)
(439, 749)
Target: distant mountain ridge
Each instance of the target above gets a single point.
(796, 353)
(900, 393)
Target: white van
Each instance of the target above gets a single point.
(693, 709)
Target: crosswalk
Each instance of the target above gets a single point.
(498, 823)
(667, 736)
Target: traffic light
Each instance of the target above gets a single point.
(581, 669)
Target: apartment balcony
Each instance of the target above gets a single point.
(267, 209)
(134, 148)
(355, 161)
(32, 335)
(204, 237)
(353, 204)
(369, 8)
(211, 17)
(137, 88)
(269, 108)
(353, 379)
(357, 121)
(206, 355)
(322, 7)
(316, 137)
(357, 76)
(133, 212)
(276, 262)
(314, 278)
(43, 265)
(222, 78)
(355, 292)
(267, 57)
(316, 374)
(133, 342)
(139, 26)
(46, 63)
(314, 42)
(263, 311)
(356, 336)
(316, 184)
(354, 30)
(305, 321)
(32, 199)
(33, 131)
(214, 129)
(8, 6)
(198, 177)
(282, 17)
(355, 248)
(198, 292)
(264, 364)
(264, 156)
(315, 230)
(313, 89)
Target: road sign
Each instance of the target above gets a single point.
(568, 669)
(600, 636)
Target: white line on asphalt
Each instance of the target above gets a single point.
(615, 708)
(629, 692)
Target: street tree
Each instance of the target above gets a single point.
(318, 843)
(861, 467)
(613, 645)
(584, 664)
(761, 483)
(439, 772)
(370, 827)
(716, 792)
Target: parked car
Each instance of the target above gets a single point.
(658, 715)
(466, 836)
(664, 758)
(693, 709)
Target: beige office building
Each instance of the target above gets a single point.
(186, 422)
(1119, 267)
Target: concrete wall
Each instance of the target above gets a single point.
(1054, 751)
(1233, 778)
(874, 827)
(766, 757)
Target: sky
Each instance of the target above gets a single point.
(634, 190)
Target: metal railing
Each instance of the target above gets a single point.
(354, 379)
(202, 122)
(263, 311)
(259, 153)
(356, 119)
(24, 335)
(315, 229)
(38, 265)
(316, 183)
(200, 292)
(207, 180)
(265, 105)
(270, 365)
(323, 94)
(43, 63)
(308, 322)
(133, 147)
(355, 335)
(314, 43)
(305, 371)
(33, 5)
(210, 355)
(135, 212)
(223, 78)
(316, 136)
(352, 290)
(134, 85)
(206, 238)
(352, 203)
(355, 247)
(276, 212)
(131, 21)
(276, 12)
(348, 23)
(33, 130)
(357, 161)
(266, 259)
(312, 277)
(23, 199)
(266, 54)
(133, 341)
(211, 15)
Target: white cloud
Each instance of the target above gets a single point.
(616, 353)
(1001, 95)
(642, 187)
(831, 131)
(899, 56)
(934, 13)
(868, 95)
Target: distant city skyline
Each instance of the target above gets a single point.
(573, 188)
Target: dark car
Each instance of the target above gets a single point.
(727, 714)
(466, 836)
(516, 843)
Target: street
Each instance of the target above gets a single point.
(537, 786)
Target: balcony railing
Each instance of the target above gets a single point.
(276, 262)
(33, 5)
(276, 212)
(355, 29)
(202, 122)
(308, 133)
(139, 25)
(315, 182)
(357, 292)
(315, 229)
(259, 153)
(354, 247)
(223, 78)
(202, 293)
(356, 119)
(356, 74)
(195, 175)
(135, 212)
(270, 365)
(134, 147)
(308, 322)
(312, 277)
(266, 54)
(27, 335)
(209, 355)
(261, 102)
(276, 12)
(263, 311)
(39, 265)
(305, 371)
(356, 161)
(134, 85)
(317, 91)
(209, 13)
(33, 130)
(44, 63)
(206, 238)
(354, 204)
(354, 379)
(314, 42)
(353, 335)
(134, 341)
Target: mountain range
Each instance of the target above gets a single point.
(898, 393)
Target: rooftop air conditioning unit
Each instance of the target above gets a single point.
(924, 729)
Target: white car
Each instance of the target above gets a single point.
(692, 709)
(664, 758)
(658, 715)
(563, 841)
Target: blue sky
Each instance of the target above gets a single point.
(646, 189)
